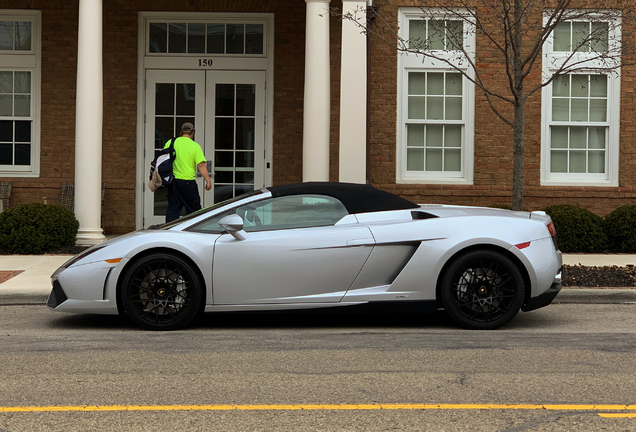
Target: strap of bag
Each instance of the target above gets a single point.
(173, 154)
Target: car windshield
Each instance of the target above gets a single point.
(197, 213)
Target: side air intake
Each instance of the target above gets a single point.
(422, 215)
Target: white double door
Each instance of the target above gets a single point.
(227, 109)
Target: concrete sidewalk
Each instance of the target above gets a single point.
(33, 285)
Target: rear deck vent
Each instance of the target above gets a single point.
(422, 215)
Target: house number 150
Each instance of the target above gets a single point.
(205, 62)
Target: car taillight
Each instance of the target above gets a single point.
(552, 231)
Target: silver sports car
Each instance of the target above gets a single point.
(319, 245)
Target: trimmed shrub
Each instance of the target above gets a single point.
(620, 226)
(578, 229)
(36, 228)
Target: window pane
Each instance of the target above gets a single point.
(560, 110)
(453, 160)
(580, 85)
(578, 137)
(436, 35)
(6, 154)
(164, 130)
(414, 135)
(6, 105)
(6, 35)
(561, 86)
(245, 100)
(254, 38)
(562, 37)
(224, 99)
(580, 110)
(434, 136)
(453, 137)
(164, 99)
(598, 110)
(600, 36)
(598, 85)
(454, 35)
(23, 131)
(434, 160)
(22, 105)
(596, 137)
(453, 109)
(435, 108)
(453, 84)
(224, 133)
(245, 134)
(6, 131)
(23, 36)
(559, 137)
(185, 99)
(558, 162)
(577, 162)
(235, 39)
(6, 82)
(245, 159)
(435, 84)
(580, 36)
(417, 107)
(23, 82)
(216, 38)
(177, 38)
(597, 162)
(158, 38)
(415, 159)
(417, 34)
(23, 154)
(196, 38)
(417, 83)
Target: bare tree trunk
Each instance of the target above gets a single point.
(518, 156)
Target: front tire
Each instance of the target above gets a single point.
(482, 290)
(162, 292)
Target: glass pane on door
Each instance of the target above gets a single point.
(234, 138)
(174, 105)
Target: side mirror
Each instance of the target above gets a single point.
(233, 224)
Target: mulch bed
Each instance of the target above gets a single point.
(599, 277)
(5, 275)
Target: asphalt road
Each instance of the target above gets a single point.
(562, 368)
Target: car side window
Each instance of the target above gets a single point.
(294, 211)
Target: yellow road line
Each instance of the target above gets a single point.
(318, 407)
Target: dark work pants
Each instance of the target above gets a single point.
(182, 193)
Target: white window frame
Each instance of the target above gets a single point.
(26, 61)
(413, 62)
(587, 64)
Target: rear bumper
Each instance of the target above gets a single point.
(545, 298)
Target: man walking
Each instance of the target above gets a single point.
(183, 191)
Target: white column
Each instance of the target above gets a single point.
(353, 94)
(88, 127)
(317, 103)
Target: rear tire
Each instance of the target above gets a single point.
(162, 292)
(482, 290)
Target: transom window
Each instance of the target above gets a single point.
(435, 136)
(432, 34)
(206, 38)
(19, 101)
(15, 35)
(576, 36)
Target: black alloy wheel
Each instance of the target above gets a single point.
(482, 290)
(162, 292)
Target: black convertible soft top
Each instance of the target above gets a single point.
(357, 198)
